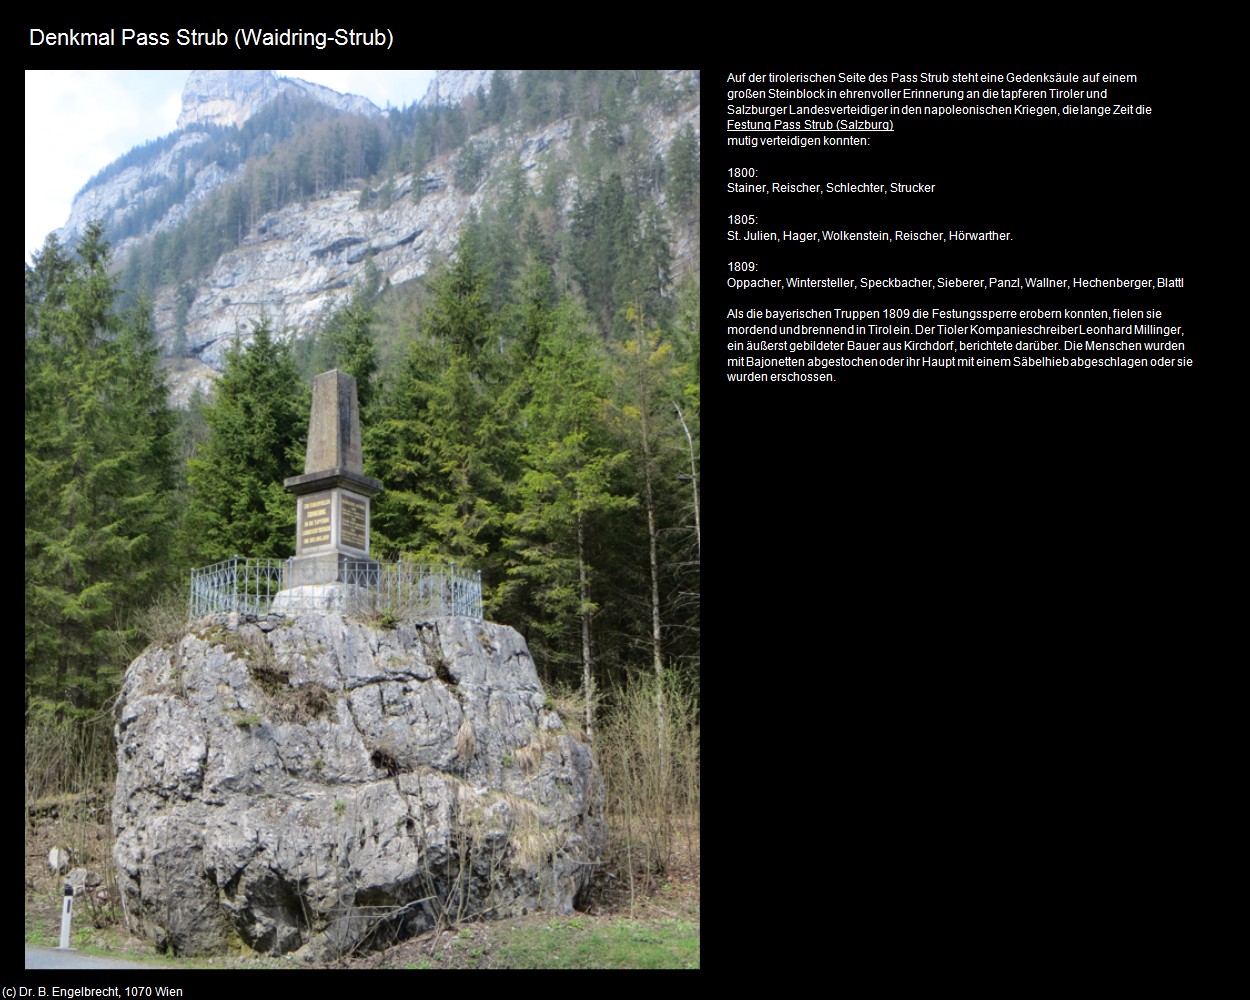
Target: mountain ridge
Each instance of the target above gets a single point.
(290, 259)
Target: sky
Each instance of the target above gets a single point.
(80, 121)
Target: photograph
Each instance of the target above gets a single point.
(363, 528)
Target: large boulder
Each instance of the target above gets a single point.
(318, 783)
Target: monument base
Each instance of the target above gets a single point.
(333, 581)
(331, 567)
(340, 597)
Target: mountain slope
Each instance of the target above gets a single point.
(274, 193)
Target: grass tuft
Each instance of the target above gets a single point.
(466, 742)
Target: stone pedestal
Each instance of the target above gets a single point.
(332, 519)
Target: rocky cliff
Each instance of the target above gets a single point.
(319, 783)
(451, 86)
(295, 262)
(231, 97)
(209, 98)
(301, 259)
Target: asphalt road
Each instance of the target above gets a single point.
(51, 958)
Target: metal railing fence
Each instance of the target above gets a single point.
(252, 586)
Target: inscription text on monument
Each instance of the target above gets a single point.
(352, 527)
(315, 520)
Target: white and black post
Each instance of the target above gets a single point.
(67, 911)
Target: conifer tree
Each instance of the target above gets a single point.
(430, 445)
(683, 170)
(393, 448)
(258, 426)
(99, 476)
(566, 487)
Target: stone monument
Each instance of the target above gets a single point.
(332, 517)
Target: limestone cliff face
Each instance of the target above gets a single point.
(225, 97)
(451, 86)
(231, 97)
(300, 261)
(129, 191)
(209, 97)
(319, 783)
(297, 262)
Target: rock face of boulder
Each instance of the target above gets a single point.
(319, 783)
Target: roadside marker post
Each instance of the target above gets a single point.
(67, 911)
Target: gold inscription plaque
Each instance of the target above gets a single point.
(314, 525)
(353, 513)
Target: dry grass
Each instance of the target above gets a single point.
(530, 840)
(67, 755)
(466, 743)
(570, 705)
(528, 757)
(81, 823)
(648, 752)
(163, 622)
(304, 703)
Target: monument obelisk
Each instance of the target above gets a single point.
(332, 520)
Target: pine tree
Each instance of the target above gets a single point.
(258, 425)
(567, 486)
(604, 241)
(430, 446)
(394, 450)
(651, 385)
(501, 101)
(426, 448)
(683, 170)
(151, 430)
(99, 476)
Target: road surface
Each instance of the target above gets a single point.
(52, 958)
